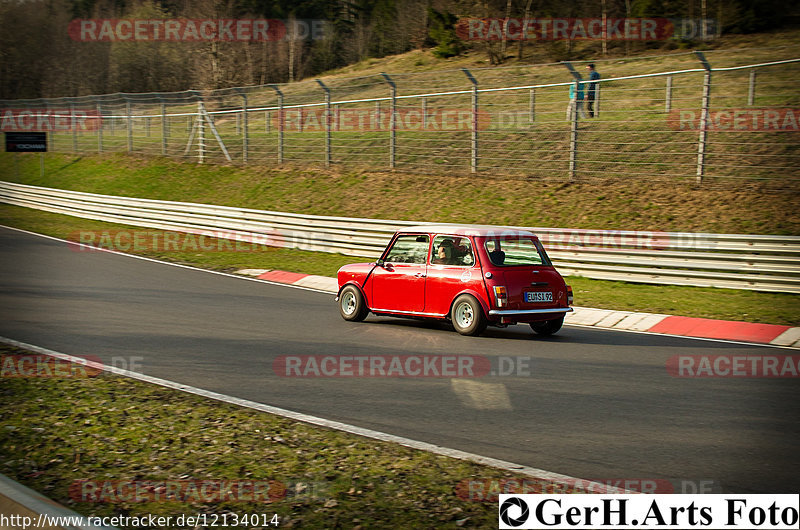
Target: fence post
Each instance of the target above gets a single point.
(474, 138)
(130, 124)
(573, 135)
(424, 114)
(245, 135)
(751, 93)
(281, 122)
(51, 138)
(327, 122)
(701, 141)
(668, 96)
(573, 127)
(392, 120)
(111, 124)
(532, 106)
(201, 134)
(99, 127)
(267, 116)
(164, 128)
(74, 126)
(596, 99)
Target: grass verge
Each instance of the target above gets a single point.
(110, 430)
(616, 204)
(726, 304)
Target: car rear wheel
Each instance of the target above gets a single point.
(547, 327)
(352, 305)
(467, 316)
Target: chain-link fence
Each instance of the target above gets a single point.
(709, 120)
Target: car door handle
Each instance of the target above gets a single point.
(419, 275)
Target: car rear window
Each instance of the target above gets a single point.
(510, 251)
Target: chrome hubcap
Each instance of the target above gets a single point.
(348, 303)
(464, 315)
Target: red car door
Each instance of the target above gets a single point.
(398, 285)
(453, 269)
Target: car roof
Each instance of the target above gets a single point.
(466, 230)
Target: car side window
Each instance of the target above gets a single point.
(408, 249)
(452, 250)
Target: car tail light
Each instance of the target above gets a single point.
(500, 296)
(569, 294)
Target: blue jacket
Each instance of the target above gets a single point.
(593, 76)
(572, 91)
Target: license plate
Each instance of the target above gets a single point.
(540, 296)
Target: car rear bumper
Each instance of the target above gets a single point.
(527, 312)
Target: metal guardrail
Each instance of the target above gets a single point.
(753, 262)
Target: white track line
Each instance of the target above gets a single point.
(518, 469)
(153, 260)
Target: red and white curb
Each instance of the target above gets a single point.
(311, 281)
(705, 328)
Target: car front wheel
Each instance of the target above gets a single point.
(467, 315)
(352, 305)
(547, 327)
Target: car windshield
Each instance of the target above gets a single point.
(408, 249)
(516, 250)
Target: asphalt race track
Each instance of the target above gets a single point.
(597, 404)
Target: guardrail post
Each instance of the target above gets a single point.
(130, 124)
(281, 122)
(751, 93)
(99, 127)
(327, 122)
(668, 96)
(392, 120)
(474, 136)
(706, 102)
(573, 127)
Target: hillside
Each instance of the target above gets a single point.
(518, 116)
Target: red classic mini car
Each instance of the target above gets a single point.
(472, 276)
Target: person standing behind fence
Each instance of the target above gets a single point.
(591, 93)
(575, 103)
